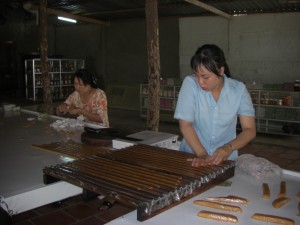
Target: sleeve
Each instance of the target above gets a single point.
(185, 107)
(246, 107)
(101, 107)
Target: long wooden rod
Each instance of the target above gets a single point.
(209, 8)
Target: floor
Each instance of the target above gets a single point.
(282, 150)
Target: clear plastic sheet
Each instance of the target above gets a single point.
(178, 194)
(258, 167)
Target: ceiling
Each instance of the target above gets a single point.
(112, 10)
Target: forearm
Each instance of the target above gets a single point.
(91, 116)
(192, 139)
(243, 138)
(62, 109)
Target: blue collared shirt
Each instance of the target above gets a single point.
(214, 122)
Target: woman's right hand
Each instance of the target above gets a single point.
(62, 109)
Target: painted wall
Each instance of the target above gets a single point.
(264, 48)
(195, 32)
(83, 42)
(118, 52)
(23, 34)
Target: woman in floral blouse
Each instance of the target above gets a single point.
(87, 99)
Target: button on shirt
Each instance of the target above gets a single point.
(214, 122)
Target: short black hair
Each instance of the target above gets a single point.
(211, 57)
(87, 77)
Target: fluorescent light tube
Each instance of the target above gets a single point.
(67, 19)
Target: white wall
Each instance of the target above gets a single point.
(264, 47)
(196, 31)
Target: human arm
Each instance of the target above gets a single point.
(191, 138)
(247, 134)
(62, 109)
(76, 111)
(246, 114)
(87, 114)
(193, 141)
(95, 110)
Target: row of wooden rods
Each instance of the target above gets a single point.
(89, 175)
(163, 160)
(127, 175)
(72, 148)
(145, 174)
(100, 186)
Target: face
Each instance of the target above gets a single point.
(80, 86)
(208, 80)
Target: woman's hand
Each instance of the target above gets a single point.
(220, 155)
(75, 111)
(198, 161)
(217, 158)
(62, 109)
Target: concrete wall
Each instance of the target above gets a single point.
(118, 52)
(264, 48)
(83, 42)
(22, 33)
(195, 32)
(126, 51)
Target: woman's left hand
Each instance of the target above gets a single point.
(220, 155)
(75, 111)
(197, 161)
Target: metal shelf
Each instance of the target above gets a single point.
(273, 118)
(168, 99)
(61, 73)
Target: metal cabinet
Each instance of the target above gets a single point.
(277, 112)
(61, 77)
(168, 99)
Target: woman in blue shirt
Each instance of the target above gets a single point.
(208, 106)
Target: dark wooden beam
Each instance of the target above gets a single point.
(153, 64)
(209, 8)
(35, 7)
(47, 96)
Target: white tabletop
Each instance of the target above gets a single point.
(21, 165)
(243, 186)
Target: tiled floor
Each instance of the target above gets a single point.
(282, 150)
(71, 211)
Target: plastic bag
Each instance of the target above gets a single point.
(258, 167)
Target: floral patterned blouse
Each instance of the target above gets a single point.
(97, 104)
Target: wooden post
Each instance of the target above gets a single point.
(153, 64)
(47, 96)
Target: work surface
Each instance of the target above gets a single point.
(21, 165)
(242, 186)
(17, 134)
